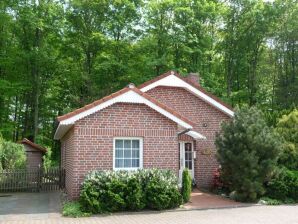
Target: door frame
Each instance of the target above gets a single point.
(182, 158)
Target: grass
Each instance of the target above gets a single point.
(73, 209)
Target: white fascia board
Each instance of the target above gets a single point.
(128, 97)
(174, 81)
(195, 135)
(61, 131)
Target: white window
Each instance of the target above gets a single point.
(128, 153)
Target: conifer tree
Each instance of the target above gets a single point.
(247, 151)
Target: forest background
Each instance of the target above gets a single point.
(58, 55)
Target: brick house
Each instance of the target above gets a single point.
(168, 122)
(34, 154)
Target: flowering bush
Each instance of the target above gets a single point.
(110, 191)
(217, 182)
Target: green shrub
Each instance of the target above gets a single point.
(73, 209)
(247, 151)
(114, 197)
(289, 201)
(12, 155)
(271, 201)
(48, 162)
(277, 189)
(161, 189)
(186, 185)
(287, 127)
(103, 192)
(135, 198)
(160, 195)
(291, 180)
(284, 186)
(110, 191)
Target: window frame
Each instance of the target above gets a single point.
(140, 153)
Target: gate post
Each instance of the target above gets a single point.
(61, 178)
(40, 174)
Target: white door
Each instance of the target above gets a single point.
(186, 158)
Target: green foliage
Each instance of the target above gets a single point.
(12, 155)
(111, 191)
(270, 201)
(48, 162)
(73, 209)
(134, 194)
(55, 57)
(286, 86)
(161, 195)
(277, 188)
(284, 186)
(247, 151)
(186, 185)
(287, 127)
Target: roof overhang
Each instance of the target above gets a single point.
(173, 80)
(195, 135)
(129, 96)
(33, 145)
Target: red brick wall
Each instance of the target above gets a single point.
(93, 135)
(201, 114)
(67, 160)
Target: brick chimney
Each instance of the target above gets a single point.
(131, 85)
(194, 78)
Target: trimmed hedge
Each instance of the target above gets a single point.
(186, 185)
(284, 186)
(111, 191)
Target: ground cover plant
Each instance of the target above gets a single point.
(73, 209)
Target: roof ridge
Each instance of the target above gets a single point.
(171, 72)
(93, 104)
(197, 86)
(124, 90)
(163, 106)
(34, 145)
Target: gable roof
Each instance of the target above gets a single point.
(126, 95)
(33, 145)
(174, 79)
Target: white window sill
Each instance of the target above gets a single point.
(127, 169)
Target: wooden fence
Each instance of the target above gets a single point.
(31, 180)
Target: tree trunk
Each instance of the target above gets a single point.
(14, 137)
(36, 91)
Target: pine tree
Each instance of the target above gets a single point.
(247, 151)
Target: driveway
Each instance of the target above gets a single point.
(44, 208)
(243, 215)
(29, 205)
